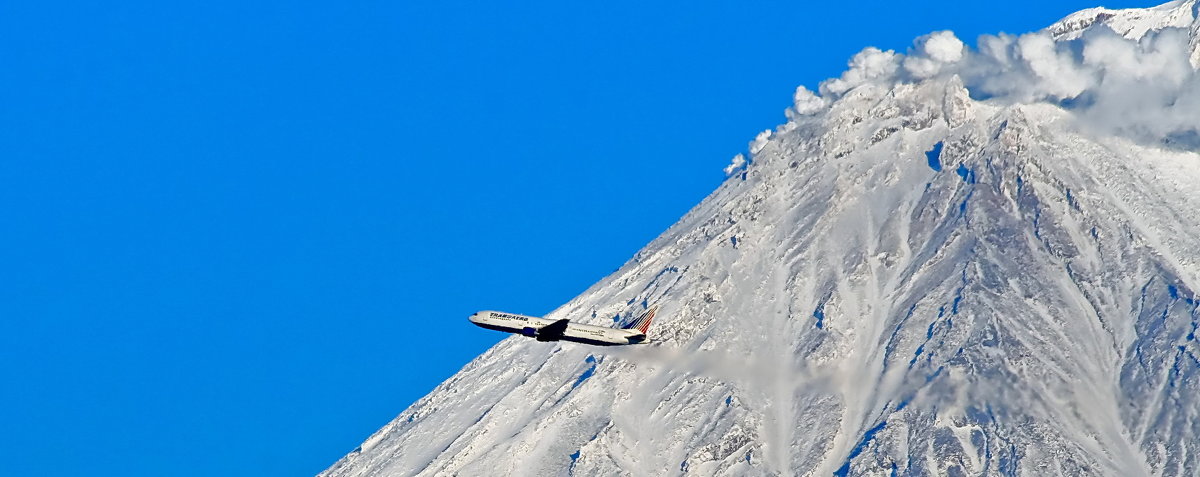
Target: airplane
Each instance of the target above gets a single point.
(542, 329)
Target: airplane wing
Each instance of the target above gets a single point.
(553, 331)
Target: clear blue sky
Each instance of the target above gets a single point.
(238, 237)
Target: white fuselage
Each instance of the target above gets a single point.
(579, 333)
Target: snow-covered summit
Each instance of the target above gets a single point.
(1135, 23)
(1132, 23)
(1132, 73)
(946, 262)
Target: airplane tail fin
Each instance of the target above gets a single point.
(642, 324)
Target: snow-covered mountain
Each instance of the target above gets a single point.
(947, 262)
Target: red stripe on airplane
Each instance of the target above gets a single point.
(645, 325)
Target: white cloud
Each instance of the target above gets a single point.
(943, 46)
(1147, 89)
(1058, 72)
(932, 53)
(735, 164)
(805, 102)
(760, 141)
(869, 65)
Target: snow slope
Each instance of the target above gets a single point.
(910, 277)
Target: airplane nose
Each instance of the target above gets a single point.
(473, 317)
